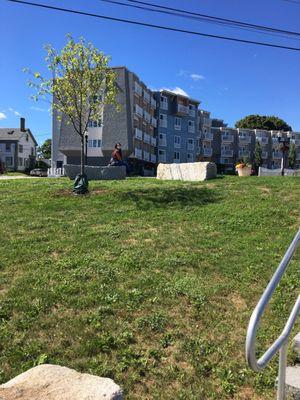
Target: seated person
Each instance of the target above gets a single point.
(117, 158)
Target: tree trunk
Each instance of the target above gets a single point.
(82, 169)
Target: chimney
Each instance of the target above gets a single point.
(22, 125)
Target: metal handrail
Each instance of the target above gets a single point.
(281, 342)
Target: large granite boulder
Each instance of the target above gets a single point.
(52, 382)
(197, 171)
(96, 173)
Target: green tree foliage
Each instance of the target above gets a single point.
(44, 151)
(292, 157)
(81, 84)
(265, 122)
(257, 156)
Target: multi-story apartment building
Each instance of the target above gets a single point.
(134, 126)
(163, 126)
(177, 127)
(17, 148)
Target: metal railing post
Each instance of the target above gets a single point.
(281, 392)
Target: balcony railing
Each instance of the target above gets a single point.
(245, 139)
(262, 139)
(244, 153)
(147, 116)
(147, 97)
(153, 158)
(146, 156)
(138, 134)
(208, 136)
(138, 89)
(192, 112)
(138, 110)
(146, 138)
(226, 153)
(264, 154)
(181, 109)
(153, 102)
(207, 152)
(164, 105)
(138, 153)
(277, 154)
(153, 141)
(227, 138)
(154, 122)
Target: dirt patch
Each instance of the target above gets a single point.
(238, 302)
(247, 393)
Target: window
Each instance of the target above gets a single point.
(164, 102)
(190, 144)
(177, 142)
(162, 155)
(27, 137)
(163, 122)
(20, 161)
(177, 124)
(176, 156)
(32, 151)
(7, 147)
(191, 126)
(190, 157)
(94, 143)
(9, 161)
(95, 124)
(162, 139)
(20, 148)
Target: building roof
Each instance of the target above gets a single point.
(14, 134)
(170, 92)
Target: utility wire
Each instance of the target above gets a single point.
(239, 23)
(213, 20)
(161, 27)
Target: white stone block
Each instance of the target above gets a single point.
(53, 382)
(197, 171)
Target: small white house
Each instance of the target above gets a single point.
(17, 148)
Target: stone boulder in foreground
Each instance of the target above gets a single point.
(52, 382)
(197, 171)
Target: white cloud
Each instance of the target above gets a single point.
(2, 116)
(196, 77)
(14, 111)
(38, 109)
(176, 90)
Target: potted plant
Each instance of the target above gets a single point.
(243, 168)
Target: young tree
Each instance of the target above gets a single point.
(81, 84)
(292, 157)
(257, 156)
(44, 151)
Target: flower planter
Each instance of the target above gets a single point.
(245, 171)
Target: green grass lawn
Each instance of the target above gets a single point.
(150, 283)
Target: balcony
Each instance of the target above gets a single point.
(153, 102)
(163, 123)
(153, 158)
(264, 155)
(226, 153)
(146, 138)
(147, 97)
(245, 139)
(138, 89)
(277, 154)
(227, 138)
(147, 116)
(164, 105)
(154, 122)
(182, 110)
(138, 110)
(138, 153)
(207, 152)
(138, 134)
(262, 139)
(192, 112)
(153, 141)
(191, 128)
(244, 153)
(208, 136)
(146, 156)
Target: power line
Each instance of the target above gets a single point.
(162, 27)
(213, 20)
(238, 23)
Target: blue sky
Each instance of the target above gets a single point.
(230, 79)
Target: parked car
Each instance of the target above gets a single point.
(38, 172)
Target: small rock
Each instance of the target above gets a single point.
(296, 344)
(293, 381)
(53, 382)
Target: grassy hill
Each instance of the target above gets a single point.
(150, 283)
